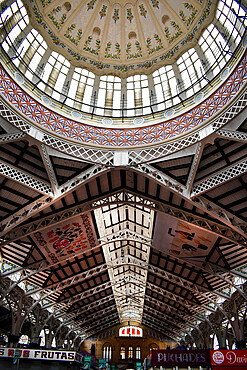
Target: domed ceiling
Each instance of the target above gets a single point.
(118, 35)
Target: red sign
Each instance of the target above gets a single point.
(229, 358)
(180, 358)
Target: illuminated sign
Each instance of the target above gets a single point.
(34, 354)
(229, 358)
(130, 331)
(180, 358)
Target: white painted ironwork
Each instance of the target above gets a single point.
(18, 217)
(232, 135)
(219, 178)
(13, 136)
(24, 178)
(159, 177)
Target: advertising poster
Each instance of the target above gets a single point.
(183, 240)
(67, 238)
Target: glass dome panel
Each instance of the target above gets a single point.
(123, 96)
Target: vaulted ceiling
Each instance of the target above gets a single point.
(162, 243)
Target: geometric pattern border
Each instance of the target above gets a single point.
(117, 137)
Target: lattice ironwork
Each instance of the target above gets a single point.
(12, 221)
(11, 117)
(76, 150)
(222, 214)
(219, 178)
(22, 177)
(159, 177)
(124, 197)
(233, 135)
(13, 136)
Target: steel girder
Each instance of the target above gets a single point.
(26, 179)
(219, 178)
(128, 197)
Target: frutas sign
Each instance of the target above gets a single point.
(228, 358)
(33, 354)
(180, 357)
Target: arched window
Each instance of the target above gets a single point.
(130, 352)
(153, 346)
(122, 352)
(138, 352)
(107, 352)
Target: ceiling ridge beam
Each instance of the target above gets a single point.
(128, 197)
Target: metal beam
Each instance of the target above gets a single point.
(21, 215)
(232, 135)
(87, 307)
(26, 179)
(13, 136)
(221, 177)
(128, 197)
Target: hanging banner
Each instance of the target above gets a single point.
(229, 358)
(186, 241)
(34, 354)
(180, 358)
(67, 238)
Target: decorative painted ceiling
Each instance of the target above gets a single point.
(120, 34)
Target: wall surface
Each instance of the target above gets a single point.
(116, 342)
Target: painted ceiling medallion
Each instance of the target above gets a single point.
(138, 35)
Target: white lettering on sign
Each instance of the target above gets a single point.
(233, 358)
(181, 357)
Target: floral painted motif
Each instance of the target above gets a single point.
(87, 46)
(56, 40)
(168, 34)
(205, 14)
(111, 55)
(152, 49)
(155, 3)
(116, 15)
(102, 13)
(142, 10)
(138, 53)
(39, 18)
(60, 22)
(192, 9)
(45, 3)
(129, 14)
(91, 3)
(74, 39)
